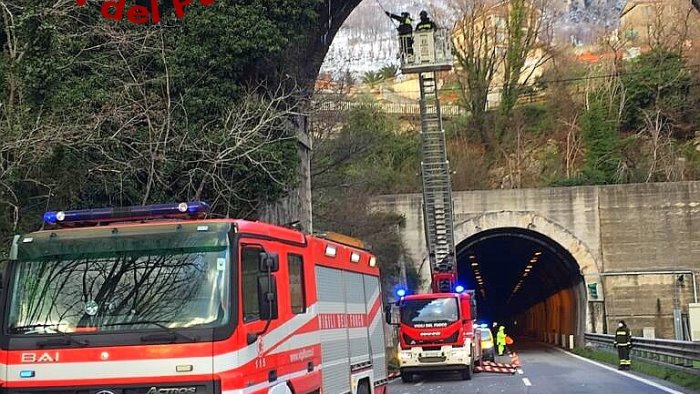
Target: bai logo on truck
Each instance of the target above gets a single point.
(40, 357)
(140, 14)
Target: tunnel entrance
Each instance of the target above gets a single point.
(524, 280)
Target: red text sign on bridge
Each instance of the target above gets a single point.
(139, 14)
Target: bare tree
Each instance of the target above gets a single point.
(573, 148)
(500, 48)
(528, 32)
(478, 57)
(663, 161)
(669, 25)
(249, 129)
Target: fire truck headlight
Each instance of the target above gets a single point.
(406, 355)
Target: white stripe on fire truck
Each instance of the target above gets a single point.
(110, 369)
(298, 341)
(264, 385)
(165, 366)
(137, 368)
(228, 361)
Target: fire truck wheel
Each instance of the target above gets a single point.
(406, 377)
(363, 388)
(467, 372)
(281, 388)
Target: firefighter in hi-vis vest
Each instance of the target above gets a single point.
(425, 23)
(623, 342)
(405, 30)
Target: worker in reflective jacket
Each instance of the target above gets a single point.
(623, 342)
(405, 22)
(405, 30)
(425, 24)
(501, 340)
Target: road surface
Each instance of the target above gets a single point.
(544, 369)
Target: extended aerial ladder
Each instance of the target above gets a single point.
(426, 53)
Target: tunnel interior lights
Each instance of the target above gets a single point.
(538, 253)
(517, 287)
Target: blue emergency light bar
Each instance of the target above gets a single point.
(459, 289)
(184, 209)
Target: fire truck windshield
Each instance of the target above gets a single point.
(110, 284)
(424, 313)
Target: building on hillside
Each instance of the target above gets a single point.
(595, 57)
(647, 24)
(489, 26)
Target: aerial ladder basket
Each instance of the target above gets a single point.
(424, 51)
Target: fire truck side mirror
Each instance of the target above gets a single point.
(269, 262)
(267, 297)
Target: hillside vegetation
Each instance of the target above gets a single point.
(587, 125)
(100, 113)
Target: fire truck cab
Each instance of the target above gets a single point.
(436, 333)
(160, 299)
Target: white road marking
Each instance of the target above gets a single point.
(419, 384)
(520, 371)
(629, 375)
(527, 382)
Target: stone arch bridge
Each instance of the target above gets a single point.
(573, 259)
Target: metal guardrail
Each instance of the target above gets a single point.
(676, 354)
(391, 108)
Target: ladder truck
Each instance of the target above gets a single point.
(436, 330)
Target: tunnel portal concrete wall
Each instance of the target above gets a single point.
(646, 231)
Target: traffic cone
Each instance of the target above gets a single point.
(515, 359)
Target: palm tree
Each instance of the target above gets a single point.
(372, 78)
(389, 72)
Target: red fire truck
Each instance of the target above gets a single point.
(162, 300)
(436, 333)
